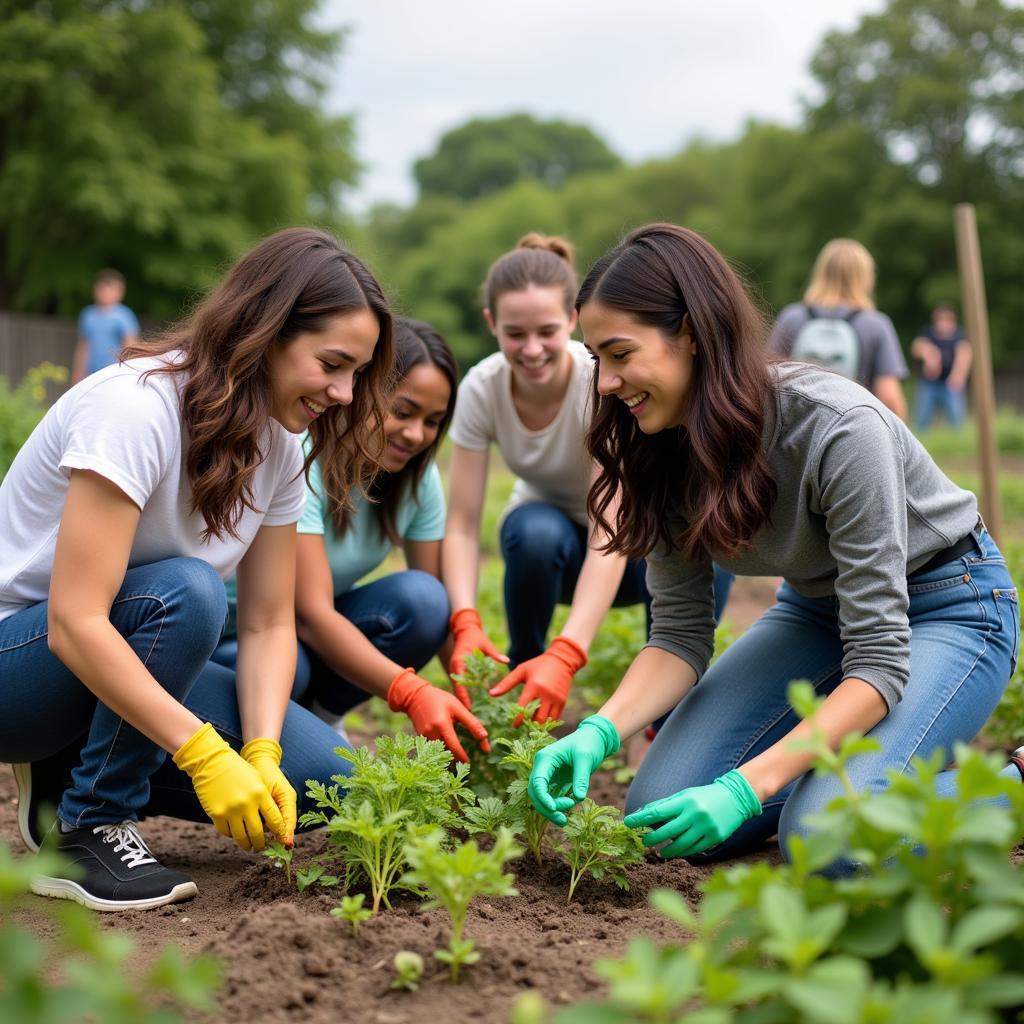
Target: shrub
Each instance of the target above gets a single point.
(22, 407)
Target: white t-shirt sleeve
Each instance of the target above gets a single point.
(286, 505)
(132, 449)
(473, 424)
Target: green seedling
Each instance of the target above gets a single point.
(403, 790)
(518, 762)
(280, 856)
(453, 878)
(595, 841)
(351, 909)
(491, 814)
(314, 873)
(408, 970)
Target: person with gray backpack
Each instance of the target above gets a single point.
(837, 326)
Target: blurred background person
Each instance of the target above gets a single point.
(104, 328)
(945, 355)
(838, 327)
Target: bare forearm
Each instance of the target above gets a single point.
(854, 706)
(101, 658)
(595, 591)
(264, 677)
(460, 560)
(348, 653)
(654, 683)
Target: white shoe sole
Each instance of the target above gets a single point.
(65, 889)
(23, 777)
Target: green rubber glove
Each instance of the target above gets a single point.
(698, 818)
(566, 765)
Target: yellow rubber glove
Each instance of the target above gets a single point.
(231, 791)
(264, 755)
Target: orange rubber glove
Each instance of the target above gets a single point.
(230, 789)
(547, 677)
(468, 635)
(264, 754)
(434, 712)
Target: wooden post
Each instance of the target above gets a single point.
(972, 287)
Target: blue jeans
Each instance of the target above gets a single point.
(544, 551)
(171, 614)
(965, 632)
(404, 615)
(935, 395)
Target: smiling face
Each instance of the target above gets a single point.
(318, 369)
(418, 408)
(532, 329)
(639, 366)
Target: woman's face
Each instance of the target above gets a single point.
(418, 408)
(318, 369)
(638, 365)
(532, 328)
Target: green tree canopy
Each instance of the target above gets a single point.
(158, 137)
(489, 154)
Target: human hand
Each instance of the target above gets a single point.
(547, 678)
(434, 712)
(467, 636)
(231, 790)
(698, 818)
(569, 762)
(264, 755)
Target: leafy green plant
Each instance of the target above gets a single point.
(928, 930)
(453, 878)
(390, 797)
(97, 980)
(280, 856)
(22, 407)
(351, 909)
(594, 841)
(519, 761)
(408, 970)
(490, 814)
(314, 873)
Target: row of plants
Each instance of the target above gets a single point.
(406, 819)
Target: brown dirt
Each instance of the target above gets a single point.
(286, 959)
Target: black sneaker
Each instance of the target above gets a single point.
(114, 870)
(39, 791)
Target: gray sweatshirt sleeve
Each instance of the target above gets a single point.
(682, 607)
(862, 495)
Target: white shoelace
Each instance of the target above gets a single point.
(126, 835)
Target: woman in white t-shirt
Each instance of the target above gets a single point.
(140, 490)
(531, 399)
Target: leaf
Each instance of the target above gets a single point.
(926, 926)
(984, 925)
(669, 903)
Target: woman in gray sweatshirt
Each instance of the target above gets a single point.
(896, 603)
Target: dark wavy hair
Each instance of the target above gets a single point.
(714, 470)
(415, 343)
(295, 281)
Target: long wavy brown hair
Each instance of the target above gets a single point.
(293, 282)
(714, 470)
(416, 343)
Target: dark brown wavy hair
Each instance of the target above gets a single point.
(415, 343)
(714, 470)
(293, 282)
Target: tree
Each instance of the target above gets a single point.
(131, 137)
(489, 154)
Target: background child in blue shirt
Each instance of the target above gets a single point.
(104, 328)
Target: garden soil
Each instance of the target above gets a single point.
(286, 959)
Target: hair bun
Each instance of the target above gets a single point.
(551, 243)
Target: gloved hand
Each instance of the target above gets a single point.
(468, 635)
(231, 791)
(699, 817)
(264, 755)
(548, 677)
(569, 762)
(434, 712)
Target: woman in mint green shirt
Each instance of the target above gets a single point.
(357, 641)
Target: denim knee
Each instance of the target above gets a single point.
(421, 604)
(199, 592)
(538, 535)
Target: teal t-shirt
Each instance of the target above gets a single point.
(364, 546)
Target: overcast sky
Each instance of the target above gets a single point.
(646, 75)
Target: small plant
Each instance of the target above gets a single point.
(280, 856)
(595, 841)
(519, 763)
(351, 909)
(490, 814)
(452, 878)
(390, 797)
(314, 873)
(22, 407)
(408, 970)
(504, 720)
